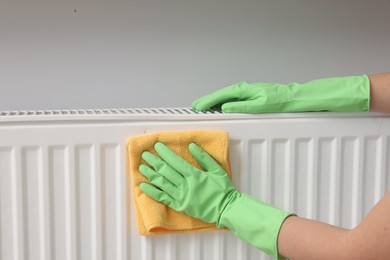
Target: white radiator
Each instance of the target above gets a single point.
(64, 193)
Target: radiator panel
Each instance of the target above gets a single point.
(64, 193)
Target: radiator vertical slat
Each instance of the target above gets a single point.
(280, 164)
(71, 193)
(121, 198)
(103, 152)
(7, 234)
(96, 204)
(208, 246)
(312, 181)
(245, 183)
(264, 149)
(258, 162)
(25, 206)
(231, 246)
(235, 152)
(195, 252)
(259, 178)
(42, 217)
(291, 180)
(182, 246)
(357, 180)
(380, 181)
(58, 170)
(240, 176)
(245, 175)
(147, 248)
(3, 178)
(32, 204)
(17, 201)
(219, 243)
(266, 173)
(109, 173)
(160, 246)
(170, 247)
(326, 166)
(334, 181)
(302, 170)
(288, 195)
(85, 199)
(349, 158)
(45, 209)
(134, 242)
(371, 172)
(4, 169)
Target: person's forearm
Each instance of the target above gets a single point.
(380, 92)
(301, 238)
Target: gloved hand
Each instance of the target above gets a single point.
(185, 188)
(209, 195)
(343, 94)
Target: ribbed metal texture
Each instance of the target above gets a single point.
(111, 111)
(64, 192)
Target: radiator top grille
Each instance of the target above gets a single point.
(111, 111)
(142, 114)
(111, 114)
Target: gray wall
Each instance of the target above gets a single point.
(164, 53)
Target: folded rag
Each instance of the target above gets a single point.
(153, 217)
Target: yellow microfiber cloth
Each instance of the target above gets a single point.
(153, 217)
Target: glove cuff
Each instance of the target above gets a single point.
(343, 94)
(255, 222)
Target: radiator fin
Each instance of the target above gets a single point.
(58, 174)
(303, 173)
(87, 201)
(348, 175)
(8, 235)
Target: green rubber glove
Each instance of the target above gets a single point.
(343, 94)
(209, 195)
